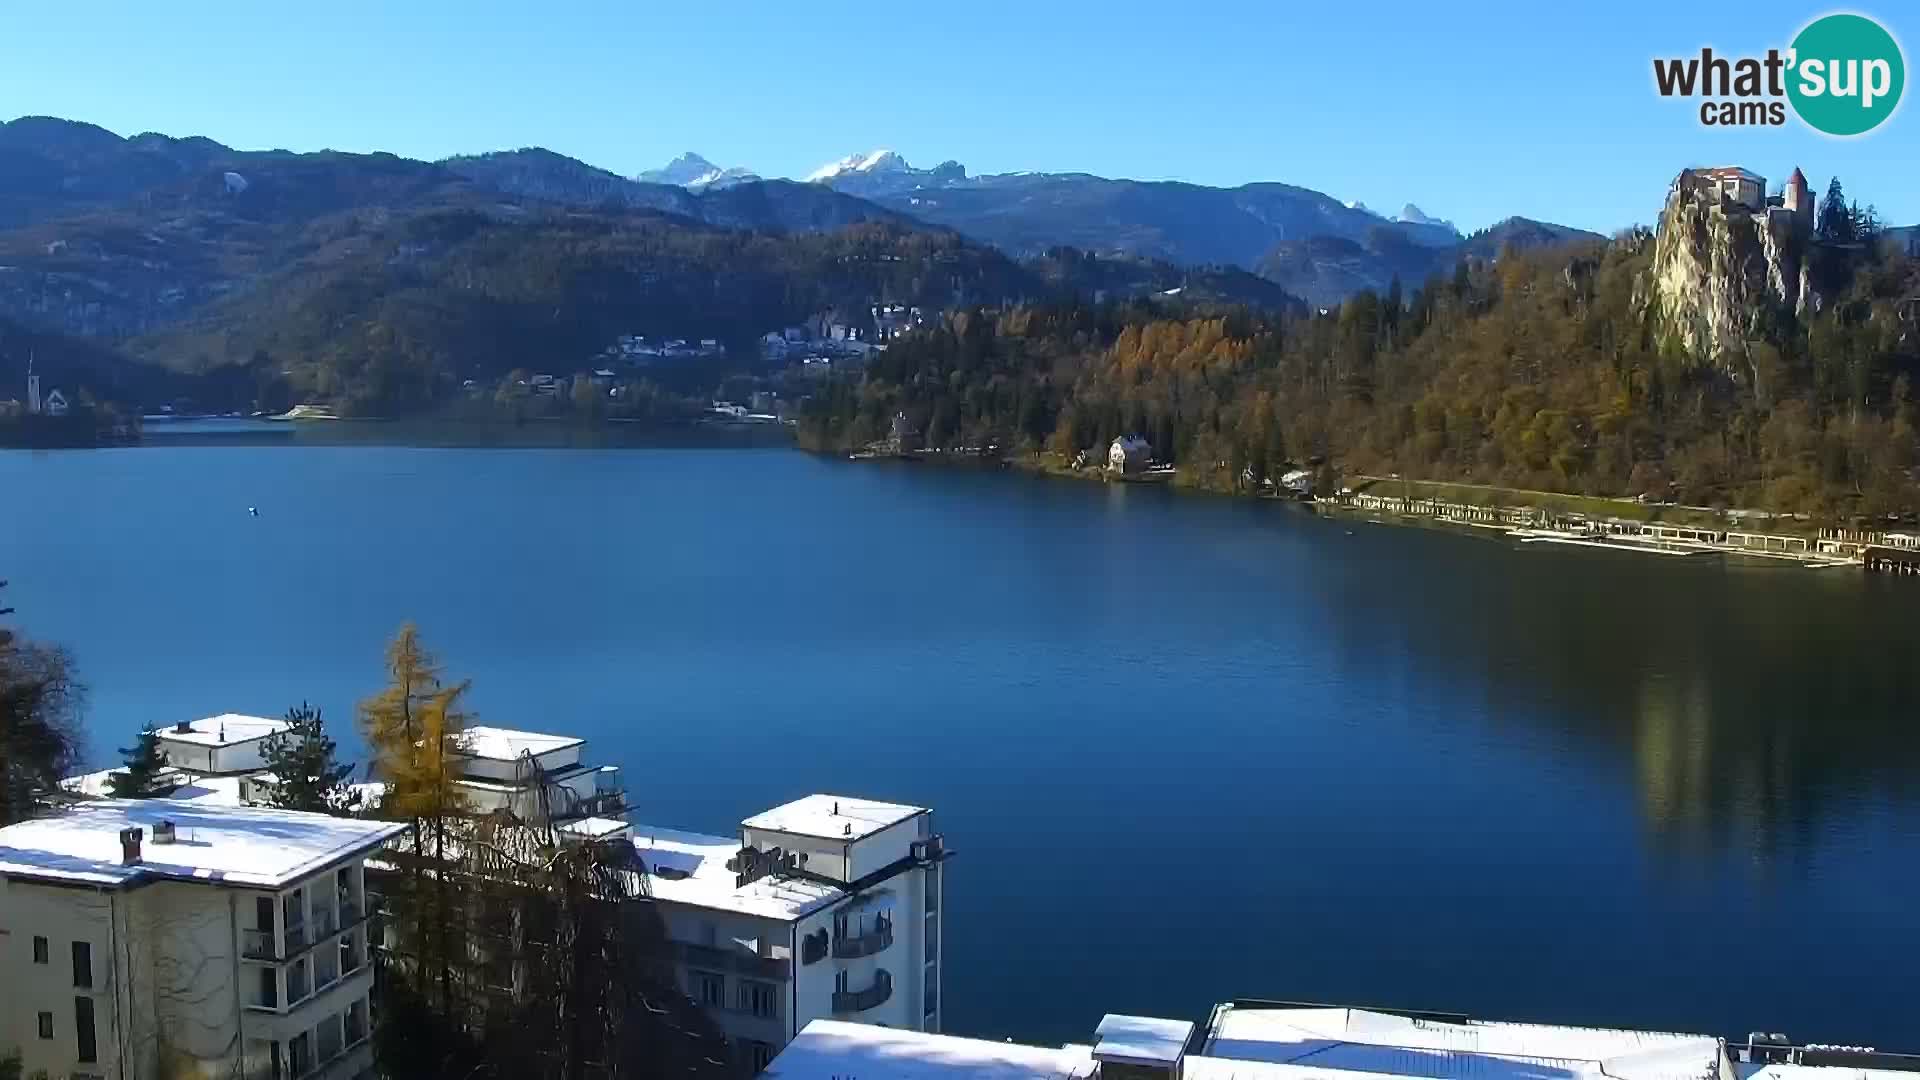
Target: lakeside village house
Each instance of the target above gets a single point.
(234, 940)
(237, 937)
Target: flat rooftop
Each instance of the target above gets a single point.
(1141, 1040)
(837, 1050)
(1818, 1072)
(506, 744)
(213, 790)
(593, 828)
(832, 817)
(222, 730)
(233, 845)
(691, 868)
(1324, 1041)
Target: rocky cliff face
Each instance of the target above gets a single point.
(1724, 276)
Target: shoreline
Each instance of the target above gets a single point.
(1526, 524)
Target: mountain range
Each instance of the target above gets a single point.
(1308, 242)
(199, 256)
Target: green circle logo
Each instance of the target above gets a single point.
(1847, 74)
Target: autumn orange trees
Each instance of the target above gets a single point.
(1535, 370)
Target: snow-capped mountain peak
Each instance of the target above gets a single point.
(1413, 215)
(693, 172)
(873, 161)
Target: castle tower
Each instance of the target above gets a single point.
(1799, 200)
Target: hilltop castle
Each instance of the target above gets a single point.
(1789, 213)
(1726, 255)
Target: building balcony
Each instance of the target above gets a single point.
(854, 946)
(854, 1001)
(283, 1017)
(708, 958)
(302, 937)
(257, 945)
(354, 1059)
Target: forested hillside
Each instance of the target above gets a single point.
(443, 297)
(1537, 370)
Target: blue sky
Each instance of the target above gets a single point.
(1473, 111)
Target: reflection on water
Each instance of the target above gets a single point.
(1402, 766)
(1752, 700)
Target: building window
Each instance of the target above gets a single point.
(83, 965)
(83, 1029)
(757, 1053)
(39, 950)
(710, 934)
(46, 1025)
(756, 997)
(300, 1054)
(710, 989)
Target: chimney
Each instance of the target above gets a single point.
(184, 727)
(130, 846)
(163, 833)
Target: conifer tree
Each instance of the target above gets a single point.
(307, 774)
(141, 777)
(413, 729)
(1836, 219)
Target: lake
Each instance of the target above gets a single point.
(1188, 749)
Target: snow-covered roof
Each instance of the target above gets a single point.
(506, 744)
(691, 868)
(1818, 1072)
(233, 845)
(832, 817)
(1141, 1040)
(223, 730)
(837, 1050)
(596, 828)
(1323, 1041)
(215, 790)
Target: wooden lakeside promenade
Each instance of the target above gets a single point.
(1874, 551)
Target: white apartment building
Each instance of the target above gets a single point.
(146, 938)
(825, 907)
(504, 769)
(224, 745)
(218, 758)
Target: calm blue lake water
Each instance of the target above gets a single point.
(1188, 749)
